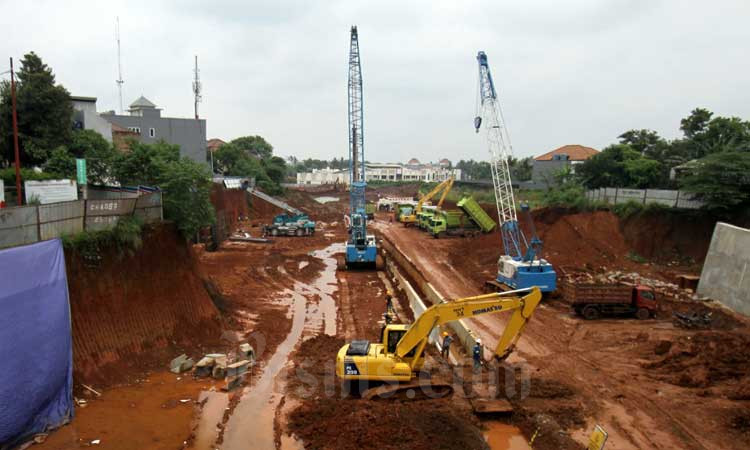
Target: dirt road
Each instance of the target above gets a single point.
(607, 366)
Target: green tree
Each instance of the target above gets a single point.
(145, 164)
(45, 113)
(254, 146)
(275, 168)
(696, 123)
(61, 163)
(100, 155)
(187, 187)
(186, 184)
(521, 168)
(646, 142)
(643, 173)
(722, 180)
(234, 159)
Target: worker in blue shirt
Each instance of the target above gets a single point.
(445, 351)
(477, 355)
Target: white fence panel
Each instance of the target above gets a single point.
(51, 191)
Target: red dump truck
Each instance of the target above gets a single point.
(594, 300)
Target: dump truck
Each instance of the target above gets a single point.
(290, 225)
(452, 223)
(594, 300)
(477, 214)
(424, 216)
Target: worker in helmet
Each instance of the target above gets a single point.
(477, 353)
(389, 301)
(447, 339)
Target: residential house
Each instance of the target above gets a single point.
(546, 165)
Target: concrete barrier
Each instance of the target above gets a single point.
(726, 270)
(395, 261)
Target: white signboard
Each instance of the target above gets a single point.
(2, 191)
(51, 191)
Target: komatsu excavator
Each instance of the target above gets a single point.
(399, 356)
(445, 187)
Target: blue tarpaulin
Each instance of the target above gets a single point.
(36, 345)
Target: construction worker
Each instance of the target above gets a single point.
(447, 339)
(389, 301)
(477, 355)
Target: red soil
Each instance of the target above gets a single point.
(135, 312)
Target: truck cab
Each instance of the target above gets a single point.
(644, 297)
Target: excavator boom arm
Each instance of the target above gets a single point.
(444, 185)
(471, 307)
(447, 189)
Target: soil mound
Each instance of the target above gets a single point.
(331, 420)
(704, 359)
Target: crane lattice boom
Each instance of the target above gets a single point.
(500, 152)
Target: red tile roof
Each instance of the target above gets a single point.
(214, 144)
(574, 152)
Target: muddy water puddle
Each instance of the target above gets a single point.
(312, 309)
(501, 436)
(212, 414)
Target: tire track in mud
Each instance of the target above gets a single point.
(255, 420)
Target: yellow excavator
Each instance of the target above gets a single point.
(411, 217)
(399, 356)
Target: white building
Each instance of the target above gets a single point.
(413, 171)
(323, 176)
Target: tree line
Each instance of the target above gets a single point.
(711, 160)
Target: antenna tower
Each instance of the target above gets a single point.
(197, 87)
(119, 80)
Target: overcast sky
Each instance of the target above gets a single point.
(568, 72)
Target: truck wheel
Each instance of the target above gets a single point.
(643, 314)
(274, 232)
(590, 313)
(299, 232)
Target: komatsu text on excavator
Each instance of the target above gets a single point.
(399, 356)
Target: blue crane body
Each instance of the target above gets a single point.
(521, 266)
(361, 249)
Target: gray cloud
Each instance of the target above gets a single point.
(568, 72)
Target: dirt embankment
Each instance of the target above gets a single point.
(133, 312)
(598, 241)
(230, 205)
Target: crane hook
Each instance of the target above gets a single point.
(477, 123)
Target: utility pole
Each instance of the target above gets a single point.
(19, 197)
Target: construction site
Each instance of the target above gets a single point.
(648, 383)
(389, 315)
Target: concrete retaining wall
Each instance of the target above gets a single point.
(726, 270)
(398, 260)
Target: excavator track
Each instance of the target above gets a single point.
(413, 390)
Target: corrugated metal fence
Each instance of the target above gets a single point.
(671, 198)
(27, 224)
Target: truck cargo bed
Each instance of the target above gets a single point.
(596, 293)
